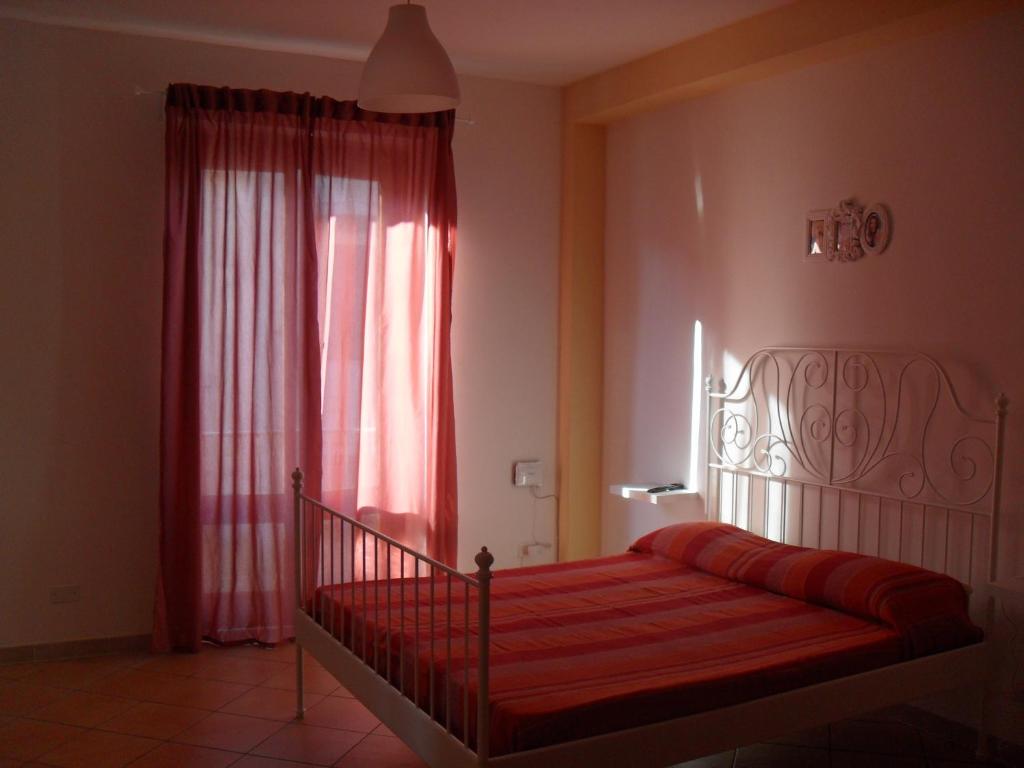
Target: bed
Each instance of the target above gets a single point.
(851, 502)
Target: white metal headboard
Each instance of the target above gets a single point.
(858, 450)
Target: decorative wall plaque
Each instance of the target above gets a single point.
(847, 232)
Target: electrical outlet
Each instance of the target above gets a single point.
(68, 594)
(531, 551)
(528, 474)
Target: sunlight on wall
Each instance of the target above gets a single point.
(698, 376)
(698, 193)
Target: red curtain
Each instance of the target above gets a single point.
(308, 258)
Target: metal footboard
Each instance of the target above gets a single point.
(347, 574)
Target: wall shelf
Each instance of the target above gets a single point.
(638, 491)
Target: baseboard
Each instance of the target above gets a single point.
(71, 649)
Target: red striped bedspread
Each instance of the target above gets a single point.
(583, 648)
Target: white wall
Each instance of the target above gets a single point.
(81, 218)
(706, 208)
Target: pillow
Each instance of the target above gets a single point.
(928, 609)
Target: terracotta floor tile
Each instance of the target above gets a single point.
(185, 756)
(202, 694)
(315, 680)
(943, 748)
(308, 744)
(218, 666)
(781, 756)
(28, 739)
(157, 721)
(349, 714)
(172, 664)
(83, 708)
(17, 671)
(380, 752)
(815, 737)
(283, 653)
(269, 703)
(76, 673)
(721, 760)
(383, 730)
(98, 749)
(342, 692)
(869, 760)
(884, 738)
(21, 698)
(232, 732)
(134, 684)
(255, 761)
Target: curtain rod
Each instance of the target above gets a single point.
(140, 91)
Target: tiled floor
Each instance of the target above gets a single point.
(235, 706)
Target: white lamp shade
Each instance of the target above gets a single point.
(408, 70)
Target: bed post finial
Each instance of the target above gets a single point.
(707, 382)
(297, 480)
(484, 560)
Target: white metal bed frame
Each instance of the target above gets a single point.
(754, 438)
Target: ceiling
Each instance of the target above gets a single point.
(551, 42)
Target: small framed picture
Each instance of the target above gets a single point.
(876, 229)
(815, 237)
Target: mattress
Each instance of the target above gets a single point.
(583, 648)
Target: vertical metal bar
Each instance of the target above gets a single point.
(899, 540)
(484, 560)
(924, 524)
(465, 664)
(803, 497)
(749, 522)
(352, 587)
(416, 630)
(878, 530)
(735, 509)
(707, 464)
(401, 621)
(839, 522)
(448, 663)
(352, 591)
(430, 629)
(362, 608)
(331, 600)
(945, 550)
(785, 488)
(767, 493)
(341, 580)
(376, 604)
(970, 552)
(821, 514)
(300, 707)
(860, 513)
(387, 636)
(832, 423)
(323, 563)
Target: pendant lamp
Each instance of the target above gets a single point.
(408, 70)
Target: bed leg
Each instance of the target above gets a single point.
(300, 704)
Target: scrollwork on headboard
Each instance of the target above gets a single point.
(885, 423)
